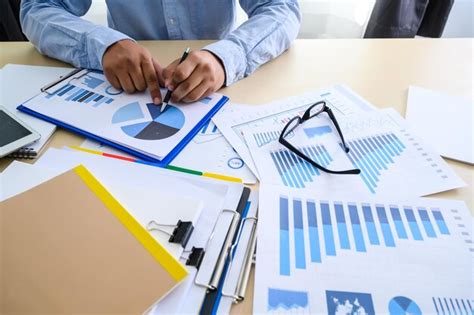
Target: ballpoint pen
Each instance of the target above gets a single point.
(168, 93)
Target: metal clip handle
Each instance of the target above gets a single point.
(225, 250)
(244, 273)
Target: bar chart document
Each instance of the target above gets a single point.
(231, 122)
(362, 255)
(87, 103)
(391, 158)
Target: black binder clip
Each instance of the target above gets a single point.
(195, 257)
(181, 233)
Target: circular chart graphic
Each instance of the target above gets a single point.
(401, 305)
(113, 91)
(235, 163)
(161, 126)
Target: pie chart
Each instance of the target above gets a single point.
(161, 126)
(401, 305)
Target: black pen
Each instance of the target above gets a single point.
(168, 93)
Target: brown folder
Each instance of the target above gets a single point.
(67, 246)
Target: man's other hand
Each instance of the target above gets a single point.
(200, 75)
(130, 67)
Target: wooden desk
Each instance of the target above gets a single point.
(379, 70)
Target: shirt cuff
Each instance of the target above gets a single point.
(98, 40)
(232, 57)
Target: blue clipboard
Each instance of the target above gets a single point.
(164, 162)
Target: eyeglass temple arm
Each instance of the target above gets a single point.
(333, 118)
(307, 159)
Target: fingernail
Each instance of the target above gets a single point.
(156, 100)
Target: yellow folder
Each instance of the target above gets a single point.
(67, 246)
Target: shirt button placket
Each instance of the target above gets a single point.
(171, 17)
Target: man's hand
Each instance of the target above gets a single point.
(131, 67)
(200, 75)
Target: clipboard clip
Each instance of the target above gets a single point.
(249, 258)
(181, 233)
(48, 86)
(225, 250)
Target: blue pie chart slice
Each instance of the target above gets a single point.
(163, 125)
(401, 305)
(172, 116)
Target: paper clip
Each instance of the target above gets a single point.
(239, 294)
(196, 254)
(181, 233)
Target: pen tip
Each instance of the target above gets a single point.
(163, 107)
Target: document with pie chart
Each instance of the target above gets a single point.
(88, 104)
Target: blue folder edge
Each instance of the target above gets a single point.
(161, 163)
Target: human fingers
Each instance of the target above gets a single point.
(181, 91)
(152, 81)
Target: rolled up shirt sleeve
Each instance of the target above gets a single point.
(271, 28)
(56, 29)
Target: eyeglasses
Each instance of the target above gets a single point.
(313, 111)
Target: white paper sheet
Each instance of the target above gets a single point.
(208, 152)
(19, 83)
(320, 253)
(88, 102)
(444, 121)
(391, 158)
(230, 122)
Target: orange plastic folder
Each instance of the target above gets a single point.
(67, 246)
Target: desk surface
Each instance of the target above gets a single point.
(379, 70)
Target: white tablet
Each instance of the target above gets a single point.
(14, 133)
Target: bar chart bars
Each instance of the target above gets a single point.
(296, 172)
(72, 93)
(263, 138)
(309, 233)
(448, 305)
(373, 155)
(209, 128)
(91, 81)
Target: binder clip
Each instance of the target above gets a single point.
(195, 257)
(181, 233)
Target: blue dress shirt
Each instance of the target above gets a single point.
(56, 29)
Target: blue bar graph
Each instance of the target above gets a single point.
(314, 243)
(356, 228)
(397, 219)
(370, 224)
(296, 172)
(386, 231)
(373, 155)
(266, 137)
(413, 224)
(92, 82)
(425, 219)
(452, 306)
(438, 216)
(383, 225)
(72, 93)
(209, 128)
(300, 259)
(327, 230)
(341, 226)
(317, 131)
(284, 238)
